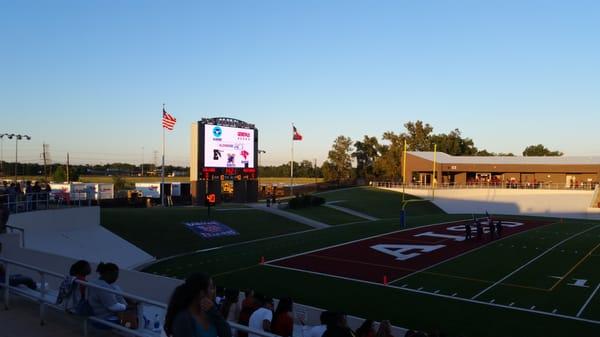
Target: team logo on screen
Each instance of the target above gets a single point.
(231, 159)
(217, 131)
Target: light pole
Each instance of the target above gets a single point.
(259, 153)
(17, 139)
(2, 135)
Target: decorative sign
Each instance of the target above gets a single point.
(210, 229)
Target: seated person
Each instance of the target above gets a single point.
(73, 293)
(105, 304)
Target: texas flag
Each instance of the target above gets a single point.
(296, 135)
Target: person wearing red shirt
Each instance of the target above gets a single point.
(283, 321)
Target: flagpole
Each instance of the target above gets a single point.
(162, 180)
(292, 166)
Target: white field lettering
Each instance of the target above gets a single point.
(403, 251)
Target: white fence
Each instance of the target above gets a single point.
(488, 185)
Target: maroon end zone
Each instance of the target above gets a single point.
(398, 253)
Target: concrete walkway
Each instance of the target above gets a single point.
(351, 212)
(23, 319)
(295, 217)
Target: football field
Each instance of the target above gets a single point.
(541, 277)
(536, 266)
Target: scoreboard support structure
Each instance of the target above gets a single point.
(224, 152)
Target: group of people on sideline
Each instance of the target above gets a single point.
(31, 194)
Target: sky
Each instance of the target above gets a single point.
(90, 77)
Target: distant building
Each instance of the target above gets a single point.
(564, 171)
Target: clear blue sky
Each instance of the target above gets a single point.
(89, 77)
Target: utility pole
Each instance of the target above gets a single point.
(315, 172)
(44, 151)
(155, 159)
(142, 161)
(68, 180)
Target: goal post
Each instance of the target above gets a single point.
(403, 223)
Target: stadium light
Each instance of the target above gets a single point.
(259, 153)
(17, 138)
(2, 135)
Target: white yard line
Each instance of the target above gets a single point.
(532, 260)
(588, 301)
(451, 297)
(466, 253)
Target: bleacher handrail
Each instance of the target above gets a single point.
(586, 186)
(43, 272)
(25, 202)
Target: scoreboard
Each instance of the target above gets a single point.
(224, 149)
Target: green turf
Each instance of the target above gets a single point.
(379, 203)
(161, 232)
(326, 215)
(465, 276)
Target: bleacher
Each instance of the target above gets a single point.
(151, 291)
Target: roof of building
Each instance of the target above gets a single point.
(444, 158)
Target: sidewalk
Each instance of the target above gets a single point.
(295, 217)
(352, 212)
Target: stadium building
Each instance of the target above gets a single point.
(505, 171)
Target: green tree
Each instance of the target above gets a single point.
(338, 166)
(418, 136)
(119, 183)
(60, 174)
(540, 150)
(389, 164)
(454, 144)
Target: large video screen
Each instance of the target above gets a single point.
(228, 147)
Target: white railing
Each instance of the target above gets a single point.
(489, 185)
(44, 300)
(18, 203)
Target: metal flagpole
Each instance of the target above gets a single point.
(292, 165)
(162, 180)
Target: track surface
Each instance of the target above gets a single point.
(397, 254)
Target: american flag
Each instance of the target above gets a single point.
(297, 135)
(168, 121)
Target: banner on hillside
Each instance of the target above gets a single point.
(210, 229)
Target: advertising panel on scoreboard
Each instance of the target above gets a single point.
(228, 147)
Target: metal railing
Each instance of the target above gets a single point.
(490, 185)
(45, 301)
(26, 202)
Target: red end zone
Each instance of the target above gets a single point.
(399, 253)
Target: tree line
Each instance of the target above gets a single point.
(380, 158)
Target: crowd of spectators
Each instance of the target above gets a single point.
(28, 194)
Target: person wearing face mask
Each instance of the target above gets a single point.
(192, 311)
(103, 303)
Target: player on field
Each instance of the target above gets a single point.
(479, 229)
(499, 228)
(467, 231)
(492, 228)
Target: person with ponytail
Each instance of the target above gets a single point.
(192, 311)
(103, 303)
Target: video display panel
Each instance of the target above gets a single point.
(228, 147)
